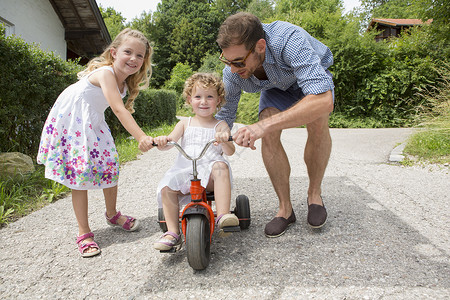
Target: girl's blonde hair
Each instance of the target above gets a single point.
(139, 80)
(205, 80)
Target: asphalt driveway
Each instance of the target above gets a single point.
(387, 235)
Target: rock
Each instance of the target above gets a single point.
(15, 163)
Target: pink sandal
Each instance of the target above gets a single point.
(84, 246)
(126, 226)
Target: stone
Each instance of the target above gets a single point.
(15, 163)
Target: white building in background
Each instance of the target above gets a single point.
(69, 28)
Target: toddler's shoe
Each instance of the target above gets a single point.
(165, 244)
(226, 220)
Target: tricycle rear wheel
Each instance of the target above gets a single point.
(242, 211)
(162, 220)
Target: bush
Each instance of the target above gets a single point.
(152, 108)
(31, 80)
(380, 80)
(247, 112)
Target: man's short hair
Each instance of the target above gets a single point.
(240, 29)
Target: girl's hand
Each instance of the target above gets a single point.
(145, 143)
(221, 137)
(161, 141)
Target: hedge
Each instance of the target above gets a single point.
(31, 80)
(152, 108)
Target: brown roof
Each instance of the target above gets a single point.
(85, 31)
(398, 22)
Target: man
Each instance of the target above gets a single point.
(290, 69)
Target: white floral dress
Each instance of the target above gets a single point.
(178, 178)
(76, 146)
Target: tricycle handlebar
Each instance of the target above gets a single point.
(194, 160)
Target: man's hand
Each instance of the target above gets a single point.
(246, 136)
(145, 143)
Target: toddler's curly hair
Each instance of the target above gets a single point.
(205, 80)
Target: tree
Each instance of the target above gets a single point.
(316, 17)
(229, 7)
(113, 21)
(144, 24)
(263, 9)
(184, 31)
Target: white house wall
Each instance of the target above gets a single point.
(35, 21)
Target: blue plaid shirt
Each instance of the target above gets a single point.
(293, 58)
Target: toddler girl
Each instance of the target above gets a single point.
(205, 93)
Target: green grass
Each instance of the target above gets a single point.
(432, 144)
(22, 195)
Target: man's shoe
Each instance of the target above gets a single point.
(278, 226)
(317, 215)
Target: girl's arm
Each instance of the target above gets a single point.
(107, 82)
(175, 135)
(222, 135)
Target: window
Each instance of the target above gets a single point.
(9, 27)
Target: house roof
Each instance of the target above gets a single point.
(398, 22)
(85, 31)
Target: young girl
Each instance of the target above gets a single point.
(205, 93)
(76, 146)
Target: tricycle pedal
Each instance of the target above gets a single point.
(174, 249)
(231, 229)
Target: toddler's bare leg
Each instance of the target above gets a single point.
(171, 209)
(219, 181)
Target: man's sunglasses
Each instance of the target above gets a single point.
(240, 63)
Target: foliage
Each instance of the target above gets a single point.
(31, 80)
(152, 108)
(263, 9)
(210, 64)
(114, 21)
(248, 108)
(316, 17)
(20, 195)
(144, 24)
(393, 9)
(185, 31)
(128, 148)
(178, 76)
(433, 143)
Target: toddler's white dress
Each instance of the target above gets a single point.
(76, 146)
(178, 178)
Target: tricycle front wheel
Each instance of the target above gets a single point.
(198, 242)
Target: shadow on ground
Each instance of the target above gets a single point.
(362, 244)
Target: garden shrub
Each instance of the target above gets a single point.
(247, 112)
(31, 80)
(152, 108)
(381, 80)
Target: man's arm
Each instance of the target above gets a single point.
(232, 97)
(309, 109)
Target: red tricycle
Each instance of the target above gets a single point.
(198, 218)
